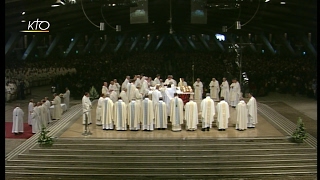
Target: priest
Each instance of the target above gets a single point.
(176, 112)
(131, 88)
(86, 108)
(156, 95)
(17, 121)
(66, 98)
(147, 115)
(191, 115)
(120, 115)
(160, 114)
(36, 121)
(242, 115)
(107, 113)
(134, 115)
(30, 109)
(224, 90)
(57, 110)
(235, 93)
(198, 89)
(223, 115)
(123, 95)
(252, 111)
(207, 112)
(99, 109)
(214, 89)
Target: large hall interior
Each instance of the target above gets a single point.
(63, 49)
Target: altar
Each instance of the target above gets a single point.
(183, 92)
(63, 106)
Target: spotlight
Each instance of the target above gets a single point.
(118, 28)
(58, 3)
(238, 25)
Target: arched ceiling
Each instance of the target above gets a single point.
(295, 16)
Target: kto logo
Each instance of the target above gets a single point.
(38, 26)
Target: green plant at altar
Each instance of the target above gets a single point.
(44, 139)
(93, 93)
(300, 133)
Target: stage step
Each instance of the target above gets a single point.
(180, 151)
(165, 159)
(209, 162)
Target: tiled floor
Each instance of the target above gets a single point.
(264, 128)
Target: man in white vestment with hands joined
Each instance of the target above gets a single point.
(207, 112)
(252, 111)
(223, 115)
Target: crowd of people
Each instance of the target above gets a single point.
(266, 73)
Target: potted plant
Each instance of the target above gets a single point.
(93, 93)
(44, 139)
(300, 133)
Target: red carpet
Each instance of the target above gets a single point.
(25, 135)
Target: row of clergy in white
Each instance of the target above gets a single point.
(231, 93)
(146, 115)
(39, 114)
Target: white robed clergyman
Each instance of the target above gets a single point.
(134, 115)
(66, 98)
(43, 115)
(168, 95)
(242, 116)
(176, 112)
(48, 104)
(160, 114)
(156, 94)
(99, 109)
(198, 89)
(223, 115)
(17, 120)
(86, 108)
(125, 82)
(120, 115)
(252, 111)
(235, 93)
(104, 89)
(224, 89)
(191, 115)
(131, 89)
(107, 113)
(36, 121)
(57, 110)
(113, 96)
(207, 112)
(147, 115)
(214, 89)
(123, 95)
(30, 109)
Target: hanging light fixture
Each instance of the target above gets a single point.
(238, 25)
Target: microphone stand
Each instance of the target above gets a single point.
(86, 127)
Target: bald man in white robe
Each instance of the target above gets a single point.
(160, 114)
(176, 113)
(207, 112)
(191, 115)
(120, 115)
(242, 116)
(107, 113)
(223, 115)
(147, 115)
(134, 115)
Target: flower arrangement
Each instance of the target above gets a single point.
(93, 93)
(300, 133)
(44, 139)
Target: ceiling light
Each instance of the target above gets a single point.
(58, 3)
(23, 13)
(23, 21)
(266, 0)
(282, 2)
